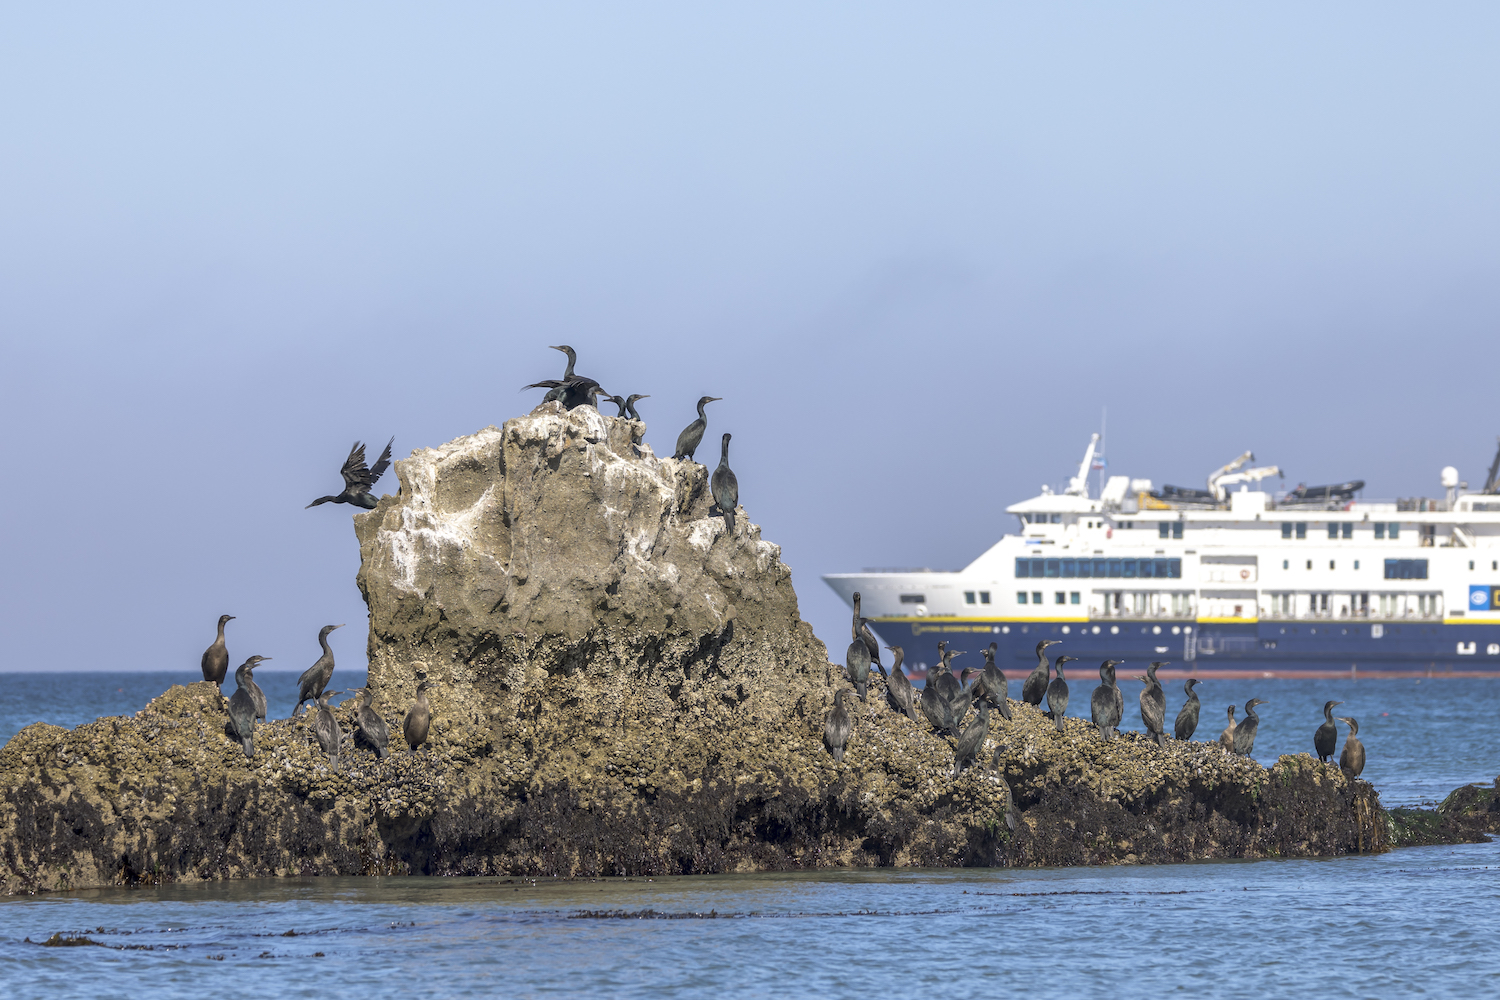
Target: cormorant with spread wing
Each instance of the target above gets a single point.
(359, 479)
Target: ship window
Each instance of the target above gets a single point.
(1115, 567)
(984, 597)
(1023, 568)
(1394, 530)
(1174, 568)
(1333, 529)
(1163, 529)
(1073, 597)
(1057, 519)
(1020, 597)
(1286, 529)
(1163, 567)
(913, 599)
(1053, 568)
(1176, 529)
(1309, 564)
(1036, 597)
(1101, 568)
(1070, 568)
(1084, 565)
(1347, 529)
(1379, 529)
(1061, 598)
(1301, 529)
(1130, 565)
(1330, 564)
(1471, 564)
(1406, 569)
(968, 597)
(1356, 564)
(1148, 567)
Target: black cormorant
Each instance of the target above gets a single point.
(418, 718)
(1107, 703)
(972, 740)
(1326, 739)
(902, 696)
(863, 632)
(857, 659)
(630, 402)
(1226, 738)
(359, 480)
(1154, 705)
(256, 694)
(1187, 719)
(216, 656)
(840, 723)
(326, 729)
(951, 691)
(372, 727)
(620, 402)
(572, 390)
(1244, 733)
(692, 434)
(242, 707)
(992, 685)
(1035, 687)
(726, 488)
(997, 764)
(315, 678)
(1057, 693)
(1352, 760)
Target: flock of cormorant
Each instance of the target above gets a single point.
(945, 701)
(248, 703)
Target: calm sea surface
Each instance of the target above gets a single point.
(1419, 921)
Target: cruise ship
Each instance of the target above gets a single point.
(1231, 580)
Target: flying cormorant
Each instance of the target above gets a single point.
(1107, 703)
(315, 678)
(1226, 738)
(726, 488)
(857, 659)
(1035, 687)
(630, 402)
(839, 725)
(216, 656)
(359, 480)
(1326, 739)
(1244, 733)
(326, 729)
(692, 434)
(1187, 719)
(372, 728)
(242, 706)
(863, 632)
(972, 740)
(1352, 760)
(1154, 704)
(1057, 694)
(418, 718)
(900, 693)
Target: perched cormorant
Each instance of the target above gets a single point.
(216, 656)
(372, 727)
(326, 729)
(572, 390)
(359, 480)
(998, 766)
(242, 707)
(972, 740)
(1107, 703)
(951, 690)
(630, 402)
(1035, 687)
(692, 434)
(315, 678)
(992, 685)
(1244, 733)
(620, 402)
(857, 659)
(1187, 719)
(554, 386)
(1326, 739)
(418, 718)
(256, 694)
(863, 632)
(1057, 693)
(934, 701)
(1352, 760)
(900, 693)
(1226, 738)
(840, 723)
(1154, 704)
(726, 488)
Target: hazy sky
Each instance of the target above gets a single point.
(916, 248)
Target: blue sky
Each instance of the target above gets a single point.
(916, 248)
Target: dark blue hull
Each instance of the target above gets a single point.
(1267, 648)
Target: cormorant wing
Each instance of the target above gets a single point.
(381, 464)
(355, 472)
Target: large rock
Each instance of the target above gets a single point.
(619, 685)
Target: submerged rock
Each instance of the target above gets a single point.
(619, 684)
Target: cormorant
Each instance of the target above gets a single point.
(242, 707)
(371, 726)
(553, 385)
(863, 632)
(934, 701)
(1244, 733)
(326, 729)
(1154, 704)
(726, 488)
(840, 723)
(1352, 760)
(216, 656)
(1107, 703)
(951, 690)
(972, 740)
(998, 766)
(620, 402)
(692, 434)
(1187, 719)
(418, 718)
(1057, 694)
(857, 659)
(359, 480)
(256, 694)
(630, 405)
(1035, 687)
(992, 685)
(315, 678)
(1226, 738)
(572, 390)
(1326, 739)
(902, 696)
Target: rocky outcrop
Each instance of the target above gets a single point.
(619, 685)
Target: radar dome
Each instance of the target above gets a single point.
(1450, 477)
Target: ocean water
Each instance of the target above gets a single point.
(1418, 921)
